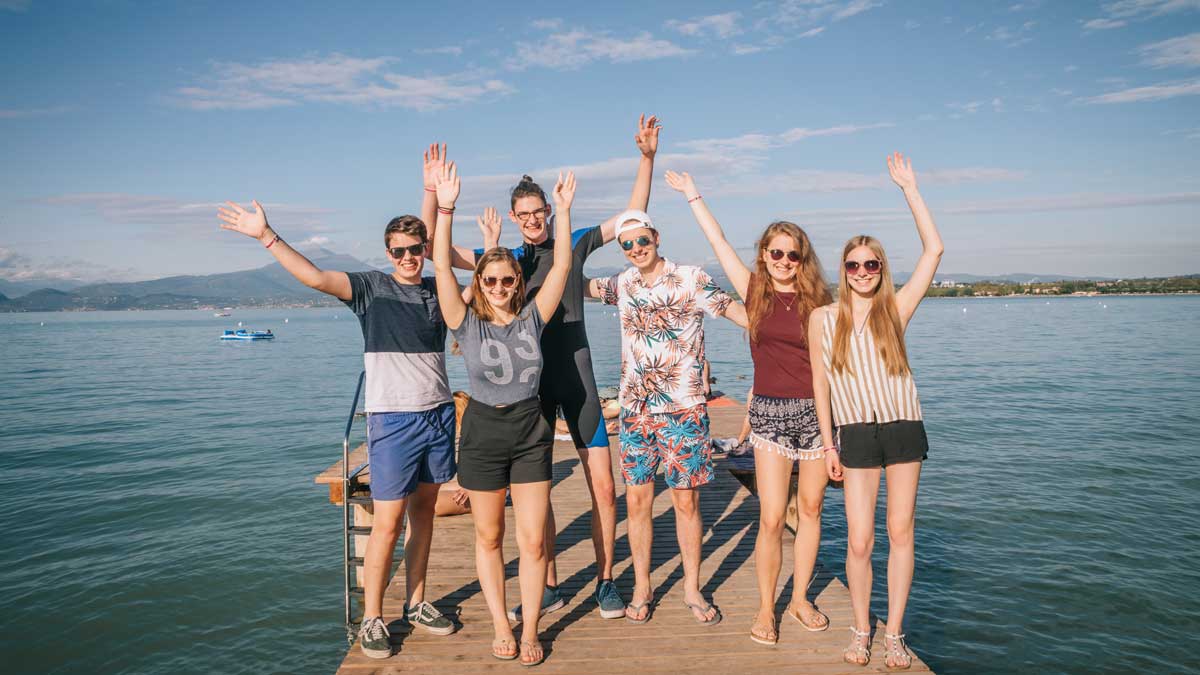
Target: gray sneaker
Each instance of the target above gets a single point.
(609, 599)
(551, 602)
(374, 639)
(428, 617)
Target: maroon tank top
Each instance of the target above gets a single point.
(782, 368)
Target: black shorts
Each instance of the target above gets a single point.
(502, 446)
(868, 446)
(568, 381)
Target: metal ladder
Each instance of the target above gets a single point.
(353, 494)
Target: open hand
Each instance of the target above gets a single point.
(448, 185)
(489, 225)
(902, 172)
(682, 182)
(435, 159)
(564, 191)
(647, 135)
(250, 223)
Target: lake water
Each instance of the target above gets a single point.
(159, 515)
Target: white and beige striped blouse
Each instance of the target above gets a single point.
(865, 392)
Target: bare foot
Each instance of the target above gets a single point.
(504, 646)
(532, 653)
(763, 630)
(808, 616)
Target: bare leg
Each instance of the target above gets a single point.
(639, 500)
(862, 491)
(531, 506)
(377, 563)
(549, 537)
(810, 497)
(417, 540)
(772, 475)
(689, 530)
(487, 510)
(902, 482)
(597, 468)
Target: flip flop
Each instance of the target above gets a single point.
(704, 610)
(637, 609)
(529, 664)
(808, 627)
(503, 657)
(769, 637)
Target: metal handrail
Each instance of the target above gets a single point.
(346, 478)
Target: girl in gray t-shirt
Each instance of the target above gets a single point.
(505, 444)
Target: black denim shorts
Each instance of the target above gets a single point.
(871, 445)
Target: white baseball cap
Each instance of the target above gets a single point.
(632, 220)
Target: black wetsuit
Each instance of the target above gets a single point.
(567, 377)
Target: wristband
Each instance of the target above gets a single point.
(446, 211)
(429, 189)
(829, 448)
(273, 241)
(697, 197)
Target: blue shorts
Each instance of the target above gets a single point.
(406, 448)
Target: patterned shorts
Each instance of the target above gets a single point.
(678, 441)
(787, 426)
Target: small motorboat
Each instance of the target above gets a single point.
(244, 334)
(221, 314)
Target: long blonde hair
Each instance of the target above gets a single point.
(809, 283)
(884, 319)
(479, 304)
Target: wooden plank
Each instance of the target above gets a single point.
(578, 640)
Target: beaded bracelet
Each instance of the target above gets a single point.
(694, 199)
(273, 241)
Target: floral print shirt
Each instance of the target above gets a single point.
(662, 335)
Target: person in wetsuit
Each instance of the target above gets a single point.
(568, 381)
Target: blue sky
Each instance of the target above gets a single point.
(1048, 137)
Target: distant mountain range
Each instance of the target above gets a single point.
(272, 285)
(267, 285)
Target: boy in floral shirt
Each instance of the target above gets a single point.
(664, 417)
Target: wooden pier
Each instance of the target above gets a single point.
(577, 640)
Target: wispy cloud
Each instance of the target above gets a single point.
(130, 209)
(762, 142)
(822, 181)
(14, 113)
(578, 47)
(337, 79)
(1181, 51)
(1012, 36)
(548, 24)
(19, 267)
(14, 5)
(714, 25)
(1120, 13)
(802, 12)
(1154, 92)
(450, 50)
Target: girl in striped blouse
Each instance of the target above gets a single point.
(862, 385)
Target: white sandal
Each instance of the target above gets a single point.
(896, 652)
(858, 648)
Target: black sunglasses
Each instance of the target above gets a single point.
(417, 250)
(777, 254)
(506, 282)
(643, 240)
(871, 266)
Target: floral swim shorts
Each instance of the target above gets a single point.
(678, 441)
(787, 426)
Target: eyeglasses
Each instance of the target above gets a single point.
(417, 250)
(777, 254)
(524, 216)
(643, 240)
(506, 282)
(870, 266)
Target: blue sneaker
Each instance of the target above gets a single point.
(609, 599)
(551, 602)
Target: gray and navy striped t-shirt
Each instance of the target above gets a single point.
(405, 342)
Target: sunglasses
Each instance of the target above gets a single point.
(777, 254)
(643, 240)
(417, 250)
(506, 282)
(526, 215)
(871, 266)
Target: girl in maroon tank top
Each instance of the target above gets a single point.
(784, 287)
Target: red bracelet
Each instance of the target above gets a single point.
(273, 241)
(429, 189)
(829, 448)
(446, 211)
(694, 199)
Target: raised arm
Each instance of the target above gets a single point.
(435, 159)
(735, 269)
(646, 139)
(549, 295)
(254, 224)
(820, 382)
(449, 297)
(908, 297)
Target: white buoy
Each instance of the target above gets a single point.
(1105, 306)
(1006, 304)
(42, 323)
(239, 324)
(285, 320)
(964, 310)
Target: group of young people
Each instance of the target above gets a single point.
(847, 412)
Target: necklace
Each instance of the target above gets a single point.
(787, 306)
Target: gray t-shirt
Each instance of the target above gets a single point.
(504, 363)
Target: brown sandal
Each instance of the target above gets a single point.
(821, 623)
(769, 637)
